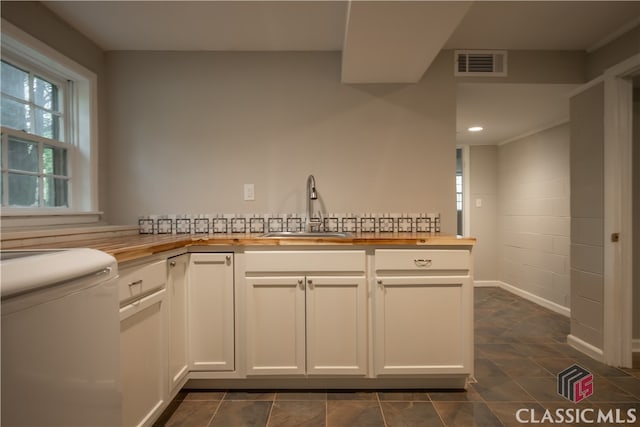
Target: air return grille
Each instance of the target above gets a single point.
(480, 63)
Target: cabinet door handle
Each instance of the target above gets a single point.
(137, 282)
(380, 283)
(310, 283)
(301, 283)
(422, 262)
(172, 263)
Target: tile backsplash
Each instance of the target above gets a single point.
(263, 223)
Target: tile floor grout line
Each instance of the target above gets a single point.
(438, 414)
(515, 381)
(216, 411)
(326, 411)
(384, 419)
(271, 410)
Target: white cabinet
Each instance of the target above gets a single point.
(423, 312)
(314, 323)
(336, 325)
(211, 312)
(275, 322)
(143, 354)
(177, 273)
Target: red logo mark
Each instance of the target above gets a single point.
(575, 383)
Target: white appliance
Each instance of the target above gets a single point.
(60, 338)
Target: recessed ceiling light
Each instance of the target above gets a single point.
(475, 129)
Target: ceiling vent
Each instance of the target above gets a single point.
(492, 63)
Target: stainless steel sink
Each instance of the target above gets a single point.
(307, 234)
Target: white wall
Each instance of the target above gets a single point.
(587, 215)
(523, 223)
(187, 130)
(483, 183)
(534, 214)
(636, 210)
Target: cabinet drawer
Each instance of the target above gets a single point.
(141, 280)
(421, 260)
(305, 261)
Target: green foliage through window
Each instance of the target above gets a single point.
(34, 158)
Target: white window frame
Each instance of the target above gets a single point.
(64, 86)
(40, 142)
(82, 111)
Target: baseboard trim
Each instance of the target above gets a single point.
(486, 284)
(556, 308)
(586, 348)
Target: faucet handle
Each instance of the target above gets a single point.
(315, 220)
(314, 223)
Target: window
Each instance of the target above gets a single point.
(35, 170)
(48, 145)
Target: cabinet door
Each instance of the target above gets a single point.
(336, 325)
(211, 312)
(423, 325)
(177, 289)
(275, 329)
(143, 359)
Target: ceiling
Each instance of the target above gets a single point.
(327, 25)
(381, 41)
(508, 111)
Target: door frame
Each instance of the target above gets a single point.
(618, 256)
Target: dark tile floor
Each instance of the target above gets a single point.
(520, 348)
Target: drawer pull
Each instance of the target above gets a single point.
(422, 263)
(137, 282)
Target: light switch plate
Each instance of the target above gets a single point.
(249, 192)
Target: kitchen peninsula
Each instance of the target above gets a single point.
(371, 310)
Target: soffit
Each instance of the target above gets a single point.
(396, 43)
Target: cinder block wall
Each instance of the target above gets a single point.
(587, 215)
(534, 214)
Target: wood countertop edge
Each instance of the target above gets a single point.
(133, 247)
(324, 241)
(130, 253)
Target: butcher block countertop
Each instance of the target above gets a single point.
(135, 246)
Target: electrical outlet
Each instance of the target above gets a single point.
(249, 192)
